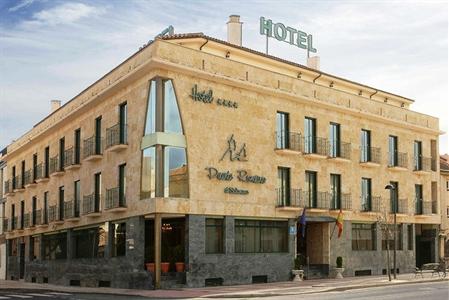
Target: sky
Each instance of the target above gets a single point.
(53, 49)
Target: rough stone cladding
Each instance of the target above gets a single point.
(260, 94)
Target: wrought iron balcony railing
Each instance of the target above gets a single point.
(55, 165)
(19, 182)
(114, 199)
(339, 149)
(52, 213)
(71, 157)
(289, 140)
(288, 198)
(92, 146)
(91, 204)
(29, 177)
(421, 163)
(116, 135)
(40, 171)
(397, 159)
(370, 154)
(71, 210)
(423, 207)
(36, 218)
(316, 145)
(26, 220)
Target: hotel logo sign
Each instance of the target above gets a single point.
(234, 153)
(208, 98)
(286, 34)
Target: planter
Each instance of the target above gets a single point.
(339, 272)
(150, 267)
(180, 266)
(165, 267)
(298, 275)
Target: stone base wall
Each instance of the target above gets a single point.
(233, 268)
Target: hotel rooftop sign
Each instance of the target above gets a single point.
(286, 34)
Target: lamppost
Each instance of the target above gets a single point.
(392, 190)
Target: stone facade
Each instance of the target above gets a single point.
(260, 86)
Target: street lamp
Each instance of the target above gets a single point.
(395, 206)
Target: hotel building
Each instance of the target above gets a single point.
(200, 154)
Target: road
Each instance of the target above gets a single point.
(417, 291)
(27, 294)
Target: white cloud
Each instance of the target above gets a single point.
(20, 5)
(67, 13)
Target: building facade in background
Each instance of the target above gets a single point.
(444, 197)
(189, 164)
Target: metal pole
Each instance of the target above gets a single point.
(394, 232)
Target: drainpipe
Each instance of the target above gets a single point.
(317, 77)
(201, 47)
(373, 94)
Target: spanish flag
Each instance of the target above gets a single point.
(339, 223)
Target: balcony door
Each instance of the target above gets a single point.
(335, 183)
(334, 138)
(366, 194)
(392, 150)
(282, 131)
(311, 189)
(309, 135)
(365, 145)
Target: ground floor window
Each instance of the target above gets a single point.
(35, 248)
(55, 246)
(363, 236)
(119, 239)
(12, 251)
(388, 237)
(214, 236)
(89, 243)
(252, 236)
(410, 236)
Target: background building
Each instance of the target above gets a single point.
(204, 153)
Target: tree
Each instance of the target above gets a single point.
(385, 221)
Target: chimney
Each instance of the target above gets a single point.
(313, 62)
(235, 30)
(55, 104)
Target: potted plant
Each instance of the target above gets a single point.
(339, 269)
(298, 272)
(150, 265)
(165, 264)
(178, 254)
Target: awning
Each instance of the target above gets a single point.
(320, 219)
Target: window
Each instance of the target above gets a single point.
(176, 178)
(410, 237)
(119, 239)
(89, 243)
(77, 197)
(35, 248)
(45, 214)
(417, 155)
(284, 186)
(172, 118)
(365, 145)
(309, 135)
(394, 197)
(47, 161)
(334, 138)
(98, 135)
(13, 244)
(55, 246)
(122, 184)
(335, 183)
(13, 215)
(392, 151)
(61, 203)
(148, 184)
(282, 130)
(214, 235)
(97, 191)
(77, 139)
(22, 214)
(418, 199)
(14, 183)
(366, 194)
(150, 123)
(34, 207)
(61, 153)
(253, 236)
(22, 180)
(123, 120)
(388, 236)
(363, 236)
(34, 167)
(311, 189)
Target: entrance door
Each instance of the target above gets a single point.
(22, 261)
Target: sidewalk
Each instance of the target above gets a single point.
(254, 290)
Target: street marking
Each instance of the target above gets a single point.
(4, 297)
(20, 296)
(40, 295)
(59, 293)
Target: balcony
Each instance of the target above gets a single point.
(8, 188)
(339, 151)
(422, 164)
(423, 207)
(36, 218)
(71, 211)
(370, 156)
(6, 227)
(41, 173)
(18, 186)
(316, 147)
(371, 204)
(91, 205)
(56, 168)
(288, 198)
(42, 218)
(71, 159)
(402, 206)
(397, 161)
(289, 141)
(115, 201)
(29, 179)
(14, 222)
(93, 149)
(54, 215)
(116, 138)
(327, 200)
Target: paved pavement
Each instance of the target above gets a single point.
(8, 287)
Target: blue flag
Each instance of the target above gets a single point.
(302, 222)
